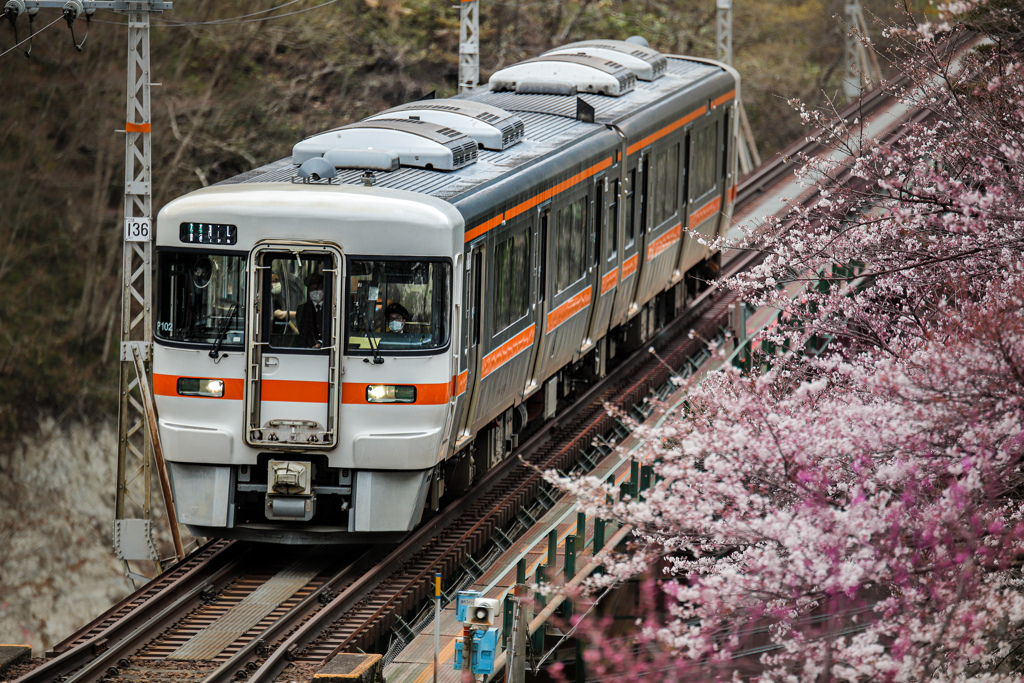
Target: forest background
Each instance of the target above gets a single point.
(238, 87)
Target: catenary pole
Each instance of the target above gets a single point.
(133, 500)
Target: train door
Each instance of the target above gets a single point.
(540, 270)
(292, 356)
(630, 198)
(472, 302)
(703, 192)
(606, 275)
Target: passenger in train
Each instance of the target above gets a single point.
(310, 315)
(282, 310)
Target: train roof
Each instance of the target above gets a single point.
(549, 122)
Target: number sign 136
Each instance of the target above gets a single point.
(138, 229)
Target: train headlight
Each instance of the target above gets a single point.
(388, 393)
(197, 386)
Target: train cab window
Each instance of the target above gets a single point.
(397, 305)
(570, 244)
(666, 183)
(298, 289)
(703, 155)
(511, 280)
(201, 298)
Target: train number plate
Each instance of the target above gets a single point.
(138, 229)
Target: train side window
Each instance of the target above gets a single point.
(299, 291)
(629, 222)
(511, 298)
(703, 160)
(666, 183)
(598, 221)
(570, 244)
(611, 244)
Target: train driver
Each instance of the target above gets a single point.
(310, 315)
(396, 315)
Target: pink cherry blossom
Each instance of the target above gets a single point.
(857, 515)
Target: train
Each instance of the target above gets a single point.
(349, 336)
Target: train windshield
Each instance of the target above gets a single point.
(201, 298)
(397, 305)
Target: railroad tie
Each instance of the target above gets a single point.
(216, 637)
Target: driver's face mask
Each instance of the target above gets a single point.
(316, 296)
(396, 325)
(275, 288)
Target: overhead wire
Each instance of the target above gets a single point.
(33, 35)
(241, 19)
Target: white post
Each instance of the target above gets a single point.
(134, 450)
(469, 45)
(723, 32)
(437, 624)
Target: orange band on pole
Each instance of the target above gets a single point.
(137, 127)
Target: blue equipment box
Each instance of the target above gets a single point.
(465, 601)
(485, 649)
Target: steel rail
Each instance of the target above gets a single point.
(109, 631)
(237, 665)
(119, 637)
(152, 627)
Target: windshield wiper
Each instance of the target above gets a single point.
(222, 333)
(372, 341)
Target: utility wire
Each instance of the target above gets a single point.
(12, 48)
(242, 19)
(172, 22)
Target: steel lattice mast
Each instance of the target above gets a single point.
(748, 156)
(862, 68)
(133, 504)
(469, 45)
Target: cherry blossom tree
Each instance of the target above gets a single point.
(859, 514)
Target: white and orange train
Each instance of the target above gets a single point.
(344, 335)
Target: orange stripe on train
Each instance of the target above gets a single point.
(659, 134)
(293, 391)
(167, 385)
(354, 393)
(507, 351)
(705, 212)
(569, 309)
(718, 102)
(630, 265)
(609, 280)
(664, 242)
(537, 199)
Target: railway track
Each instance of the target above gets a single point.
(233, 611)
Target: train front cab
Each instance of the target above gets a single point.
(292, 416)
